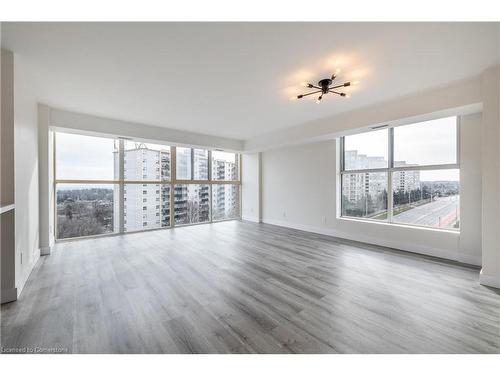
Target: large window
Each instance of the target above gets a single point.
(82, 157)
(192, 204)
(225, 166)
(146, 206)
(146, 192)
(145, 162)
(405, 175)
(105, 185)
(365, 195)
(366, 150)
(85, 210)
(192, 163)
(225, 202)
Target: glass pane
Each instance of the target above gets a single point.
(426, 143)
(224, 166)
(85, 210)
(365, 195)
(429, 198)
(183, 169)
(200, 164)
(366, 150)
(146, 206)
(146, 161)
(191, 204)
(82, 157)
(225, 202)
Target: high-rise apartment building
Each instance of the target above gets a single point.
(147, 205)
(405, 180)
(225, 198)
(191, 201)
(358, 185)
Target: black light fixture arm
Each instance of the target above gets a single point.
(325, 87)
(347, 84)
(337, 93)
(310, 93)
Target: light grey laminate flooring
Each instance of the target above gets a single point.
(239, 287)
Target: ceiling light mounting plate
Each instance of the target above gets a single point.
(325, 84)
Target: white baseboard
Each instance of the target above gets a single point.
(45, 250)
(398, 245)
(306, 228)
(27, 274)
(8, 295)
(489, 280)
(251, 218)
(475, 260)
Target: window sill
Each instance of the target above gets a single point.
(113, 234)
(6, 208)
(405, 226)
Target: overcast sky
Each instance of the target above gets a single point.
(425, 143)
(84, 157)
(87, 157)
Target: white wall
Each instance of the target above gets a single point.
(45, 179)
(299, 190)
(7, 192)
(470, 186)
(93, 124)
(251, 186)
(26, 170)
(490, 141)
(7, 129)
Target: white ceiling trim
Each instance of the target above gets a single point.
(89, 124)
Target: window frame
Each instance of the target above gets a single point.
(238, 166)
(212, 209)
(55, 210)
(392, 169)
(121, 182)
(386, 221)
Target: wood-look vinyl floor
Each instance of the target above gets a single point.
(239, 287)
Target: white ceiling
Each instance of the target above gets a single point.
(235, 79)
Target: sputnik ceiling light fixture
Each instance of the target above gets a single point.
(326, 86)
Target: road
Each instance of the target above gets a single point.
(430, 213)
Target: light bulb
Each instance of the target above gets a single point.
(303, 84)
(347, 95)
(319, 99)
(293, 97)
(354, 82)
